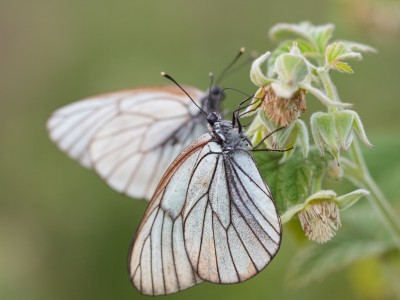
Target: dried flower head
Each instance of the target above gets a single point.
(320, 220)
(280, 110)
(319, 213)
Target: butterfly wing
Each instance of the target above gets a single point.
(231, 226)
(213, 214)
(128, 137)
(158, 262)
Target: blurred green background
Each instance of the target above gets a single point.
(64, 234)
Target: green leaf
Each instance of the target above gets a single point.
(318, 36)
(359, 47)
(322, 34)
(284, 30)
(291, 181)
(335, 55)
(338, 51)
(342, 67)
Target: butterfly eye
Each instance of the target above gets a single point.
(212, 118)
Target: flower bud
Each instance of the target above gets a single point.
(333, 131)
(334, 171)
(295, 134)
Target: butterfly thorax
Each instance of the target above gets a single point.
(228, 137)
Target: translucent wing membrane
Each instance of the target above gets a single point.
(158, 262)
(212, 218)
(129, 137)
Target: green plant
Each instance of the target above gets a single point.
(300, 66)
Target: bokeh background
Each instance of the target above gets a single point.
(64, 234)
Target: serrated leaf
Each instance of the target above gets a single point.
(342, 67)
(338, 51)
(291, 181)
(359, 47)
(285, 30)
(318, 36)
(335, 55)
(322, 34)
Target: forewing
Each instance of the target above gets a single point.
(231, 226)
(73, 126)
(158, 262)
(128, 137)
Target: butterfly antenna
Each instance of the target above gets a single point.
(253, 55)
(178, 85)
(236, 90)
(267, 136)
(232, 63)
(211, 75)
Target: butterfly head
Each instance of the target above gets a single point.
(213, 118)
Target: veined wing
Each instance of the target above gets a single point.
(213, 211)
(231, 226)
(129, 137)
(158, 263)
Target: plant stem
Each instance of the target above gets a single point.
(377, 199)
(317, 184)
(328, 85)
(361, 175)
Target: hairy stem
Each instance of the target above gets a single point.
(360, 174)
(378, 201)
(328, 85)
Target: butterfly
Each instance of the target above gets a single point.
(130, 137)
(211, 218)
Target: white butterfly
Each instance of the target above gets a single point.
(211, 218)
(130, 137)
